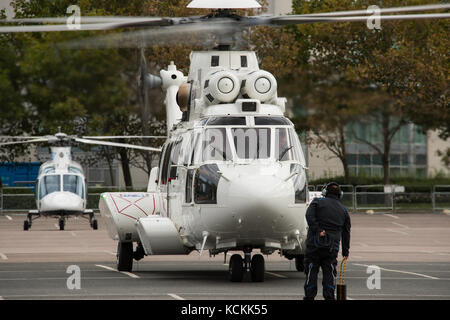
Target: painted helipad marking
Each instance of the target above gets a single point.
(131, 275)
(106, 267)
(400, 225)
(400, 271)
(396, 231)
(175, 296)
(276, 275)
(3, 256)
(391, 215)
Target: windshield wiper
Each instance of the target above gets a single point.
(284, 152)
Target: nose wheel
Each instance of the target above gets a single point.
(238, 267)
(62, 224)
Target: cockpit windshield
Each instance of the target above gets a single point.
(52, 183)
(216, 145)
(49, 184)
(73, 183)
(252, 143)
(278, 143)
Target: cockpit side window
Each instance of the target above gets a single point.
(283, 145)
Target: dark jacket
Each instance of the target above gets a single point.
(328, 214)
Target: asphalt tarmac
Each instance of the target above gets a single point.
(392, 257)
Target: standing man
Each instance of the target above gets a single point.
(328, 222)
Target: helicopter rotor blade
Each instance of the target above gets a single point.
(20, 137)
(119, 23)
(187, 33)
(124, 137)
(285, 20)
(381, 11)
(21, 142)
(115, 144)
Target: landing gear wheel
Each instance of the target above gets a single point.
(299, 264)
(236, 268)
(94, 224)
(257, 268)
(61, 224)
(125, 256)
(26, 225)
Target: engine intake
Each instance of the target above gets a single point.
(221, 86)
(260, 85)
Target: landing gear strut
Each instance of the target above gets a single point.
(62, 223)
(27, 223)
(93, 222)
(238, 266)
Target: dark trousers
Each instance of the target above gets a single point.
(320, 258)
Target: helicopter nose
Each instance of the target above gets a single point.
(258, 201)
(56, 201)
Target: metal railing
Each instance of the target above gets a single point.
(356, 198)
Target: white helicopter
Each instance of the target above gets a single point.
(61, 186)
(231, 176)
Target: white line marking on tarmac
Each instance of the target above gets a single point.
(8, 217)
(400, 225)
(276, 275)
(110, 252)
(56, 226)
(131, 275)
(106, 267)
(400, 271)
(73, 233)
(391, 215)
(3, 256)
(396, 231)
(175, 296)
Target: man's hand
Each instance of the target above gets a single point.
(322, 233)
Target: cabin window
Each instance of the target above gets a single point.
(189, 180)
(165, 164)
(252, 143)
(176, 149)
(73, 183)
(49, 184)
(215, 145)
(205, 184)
